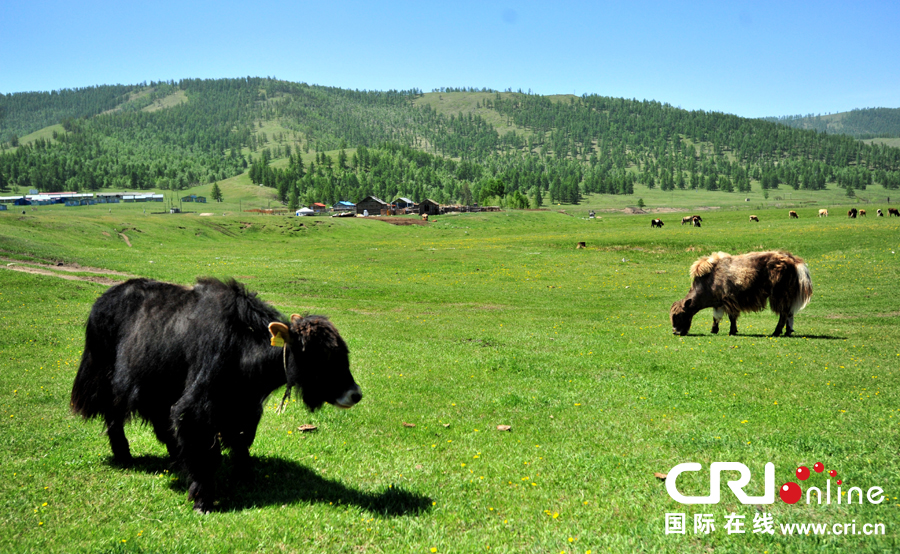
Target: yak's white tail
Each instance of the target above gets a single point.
(805, 288)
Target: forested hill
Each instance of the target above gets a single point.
(867, 123)
(323, 144)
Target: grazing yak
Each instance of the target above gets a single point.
(793, 215)
(893, 211)
(696, 220)
(851, 213)
(734, 284)
(692, 219)
(754, 218)
(879, 213)
(862, 213)
(656, 223)
(823, 213)
(198, 364)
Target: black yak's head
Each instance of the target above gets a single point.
(681, 315)
(321, 362)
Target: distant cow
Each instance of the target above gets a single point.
(793, 215)
(734, 284)
(754, 218)
(862, 213)
(893, 211)
(823, 213)
(656, 223)
(879, 213)
(424, 217)
(198, 363)
(696, 220)
(851, 213)
(687, 219)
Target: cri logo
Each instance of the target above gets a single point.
(790, 493)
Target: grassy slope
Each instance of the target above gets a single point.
(473, 321)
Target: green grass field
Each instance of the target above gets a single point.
(470, 322)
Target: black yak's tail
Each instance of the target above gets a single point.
(92, 390)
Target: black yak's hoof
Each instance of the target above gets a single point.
(788, 333)
(123, 460)
(714, 330)
(777, 333)
(732, 333)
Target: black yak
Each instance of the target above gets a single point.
(851, 213)
(198, 363)
(893, 211)
(656, 223)
(793, 215)
(734, 284)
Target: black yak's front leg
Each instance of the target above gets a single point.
(200, 453)
(732, 318)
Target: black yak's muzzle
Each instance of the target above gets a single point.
(350, 398)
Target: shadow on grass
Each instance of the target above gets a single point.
(276, 481)
(768, 335)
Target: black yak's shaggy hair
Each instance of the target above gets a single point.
(198, 364)
(734, 284)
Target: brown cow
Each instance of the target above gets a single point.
(754, 218)
(893, 211)
(734, 284)
(793, 214)
(862, 213)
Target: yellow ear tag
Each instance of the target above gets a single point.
(277, 340)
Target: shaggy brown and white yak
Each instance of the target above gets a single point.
(862, 213)
(823, 213)
(734, 284)
(754, 218)
(793, 215)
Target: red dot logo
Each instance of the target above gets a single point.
(819, 467)
(839, 482)
(833, 473)
(790, 493)
(802, 474)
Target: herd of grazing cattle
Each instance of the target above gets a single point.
(695, 220)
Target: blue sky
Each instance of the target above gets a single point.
(748, 58)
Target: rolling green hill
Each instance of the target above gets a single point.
(310, 143)
(867, 123)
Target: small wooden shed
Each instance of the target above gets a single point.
(429, 207)
(372, 205)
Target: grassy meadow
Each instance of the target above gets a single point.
(457, 327)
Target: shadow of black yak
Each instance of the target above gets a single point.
(276, 481)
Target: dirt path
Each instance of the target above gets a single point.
(39, 268)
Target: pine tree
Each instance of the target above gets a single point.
(216, 193)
